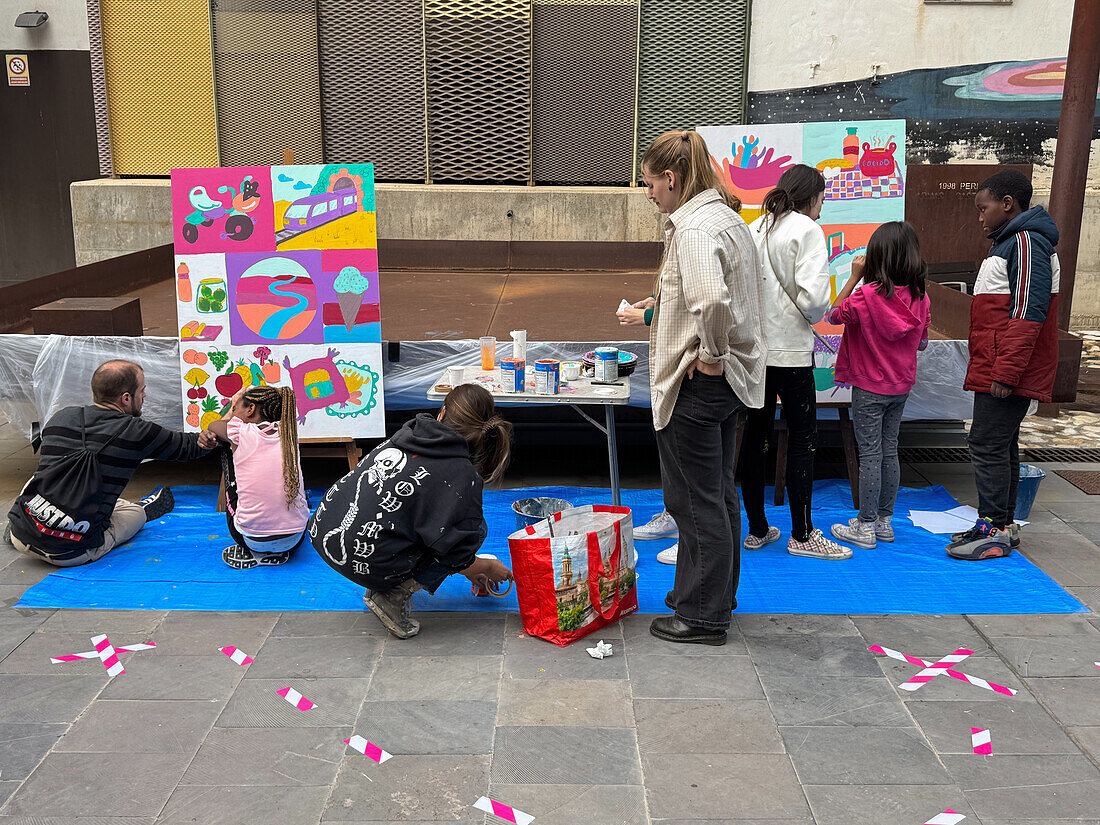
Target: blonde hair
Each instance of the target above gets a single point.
(685, 153)
(278, 404)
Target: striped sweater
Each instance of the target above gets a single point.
(134, 441)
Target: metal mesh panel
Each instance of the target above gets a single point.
(585, 57)
(160, 95)
(479, 89)
(99, 89)
(372, 85)
(267, 81)
(693, 66)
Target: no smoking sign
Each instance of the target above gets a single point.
(19, 73)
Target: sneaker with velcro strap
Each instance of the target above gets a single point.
(982, 541)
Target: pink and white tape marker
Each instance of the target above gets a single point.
(930, 673)
(948, 817)
(983, 745)
(505, 812)
(295, 698)
(237, 655)
(954, 674)
(368, 749)
(94, 654)
(108, 656)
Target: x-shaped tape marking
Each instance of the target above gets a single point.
(937, 668)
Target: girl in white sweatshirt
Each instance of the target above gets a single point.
(794, 267)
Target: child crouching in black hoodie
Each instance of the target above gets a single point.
(410, 514)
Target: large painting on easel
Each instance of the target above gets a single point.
(277, 283)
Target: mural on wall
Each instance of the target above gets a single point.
(1005, 109)
(864, 167)
(277, 284)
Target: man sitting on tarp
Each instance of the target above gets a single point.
(70, 512)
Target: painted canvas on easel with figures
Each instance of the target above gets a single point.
(277, 283)
(864, 167)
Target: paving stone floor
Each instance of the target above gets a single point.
(792, 722)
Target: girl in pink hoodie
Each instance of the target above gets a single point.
(886, 323)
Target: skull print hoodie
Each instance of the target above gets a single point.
(414, 500)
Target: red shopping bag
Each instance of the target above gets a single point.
(574, 572)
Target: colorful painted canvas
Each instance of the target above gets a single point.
(864, 167)
(277, 283)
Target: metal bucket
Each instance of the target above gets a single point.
(531, 510)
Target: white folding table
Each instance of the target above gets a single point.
(573, 394)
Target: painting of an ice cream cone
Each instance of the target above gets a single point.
(350, 286)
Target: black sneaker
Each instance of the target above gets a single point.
(158, 504)
(393, 608)
(241, 558)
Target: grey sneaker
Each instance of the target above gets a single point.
(751, 542)
(661, 526)
(393, 608)
(1013, 531)
(980, 542)
(884, 529)
(859, 533)
(818, 547)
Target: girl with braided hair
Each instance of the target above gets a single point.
(259, 435)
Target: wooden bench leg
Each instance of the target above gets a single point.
(851, 452)
(781, 445)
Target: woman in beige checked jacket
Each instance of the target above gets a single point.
(707, 354)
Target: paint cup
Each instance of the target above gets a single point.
(454, 376)
(488, 353)
(570, 370)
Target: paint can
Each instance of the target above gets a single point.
(512, 374)
(455, 376)
(547, 376)
(606, 364)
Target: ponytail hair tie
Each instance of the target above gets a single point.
(685, 135)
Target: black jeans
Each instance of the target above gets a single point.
(795, 388)
(994, 443)
(696, 449)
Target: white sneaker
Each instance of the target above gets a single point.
(884, 530)
(661, 526)
(818, 547)
(859, 533)
(668, 555)
(751, 542)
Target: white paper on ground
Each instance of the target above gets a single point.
(954, 520)
(601, 650)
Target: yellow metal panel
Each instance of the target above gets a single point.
(160, 89)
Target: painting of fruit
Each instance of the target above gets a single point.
(229, 384)
(209, 413)
(193, 418)
(219, 359)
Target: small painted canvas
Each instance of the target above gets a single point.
(277, 283)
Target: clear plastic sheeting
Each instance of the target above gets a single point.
(40, 374)
(422, 363)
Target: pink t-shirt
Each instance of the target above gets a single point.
(258, 465)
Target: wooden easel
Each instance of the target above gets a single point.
(342, 447)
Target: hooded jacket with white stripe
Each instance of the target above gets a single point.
(1014, 316)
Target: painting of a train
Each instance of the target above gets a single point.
(313, 210)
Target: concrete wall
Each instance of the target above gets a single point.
(844, 37)
(66, 30)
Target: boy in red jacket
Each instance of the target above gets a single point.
(1013, 354)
